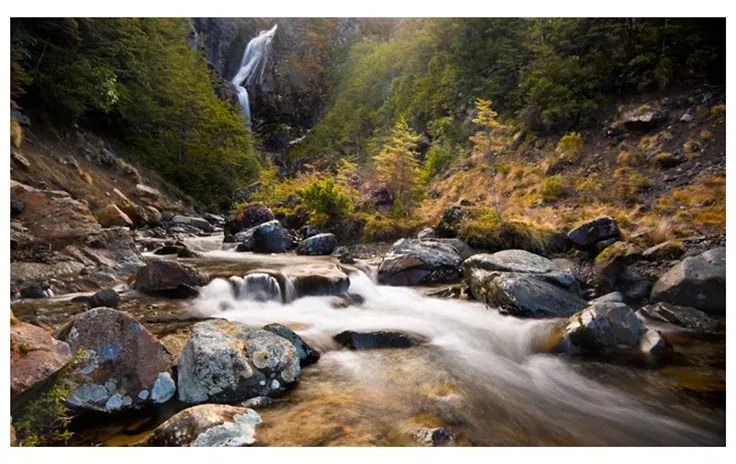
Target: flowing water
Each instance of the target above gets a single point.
(478, 373)
(253, 67)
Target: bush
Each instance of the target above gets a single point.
(552, 189)
(325, 199)
(570, 145)
(718, 112)
(438, 159)
(44, 421)
(385, 229)
(481, 228)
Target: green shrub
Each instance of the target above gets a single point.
(44, 421)
(325, 199)
(438, 159)
(552, 189)
(570, 145)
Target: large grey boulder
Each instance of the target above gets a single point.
(681, 316)
(193, 221)
(522, 284)
(168, 278)
(228, 362)
(317, 280)
(414, 262)
(123, 366)
(208, 425)
(269, 237)
(698, 281)
(307, 354)
(320, 244)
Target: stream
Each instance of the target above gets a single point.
(478, 373)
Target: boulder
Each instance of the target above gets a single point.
(671, 249)
(36, 288)
(698, 281)
(107, 297)
(168, 278)
(613, 297)
(608, 329)
(51, 215)
(317, 280)
(178, 249)
(588, 234)
(426, 234)
(414, 262)
(208, 425)
(308, 231)
(378, 339)
(34, 357)
(16, 208)
(192, 221)
(154, 215)
(214, 219)
(612, 262)
(438, 436)
(643, 119)
(252, 215)
(320, 244)
(244, 239)
(149, 193)
(450, 221)
(307, 354)
(123, 366)
(228, 362)
(523, 262)
(681, 316)
(523, 295)
(269, 237)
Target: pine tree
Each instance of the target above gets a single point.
(487, 141)
(397, 168)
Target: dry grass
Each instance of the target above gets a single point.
(718, 112)
(483, 229)
(631, 158)
(16, 133)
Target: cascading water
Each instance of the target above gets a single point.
(253, 67)
(478, 368)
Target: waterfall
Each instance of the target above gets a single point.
(253, 67)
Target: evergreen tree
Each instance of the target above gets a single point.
(486, 141)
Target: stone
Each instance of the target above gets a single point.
(107, 297)
(123, 365)
(320, 244)
(154, 216)
(523, 262)
(192, 221)
(229, 362)
(16, 208)
(612, 262)
(269, 237)
(671, 249)
(214, 219)
(426, 234)
(643, 119)
(252, 215)
(686, 117)
(414, 262)
(438, 436)
(149, 193)
(317, 280)
(588, 234)
(51, 215)
(698, 281)
(258, 402)
(307, 354)
(681, 316)
(522, 294)
(450, 221)
(208, 425)
(36, 288)
(378, 339)
(308, 231)
(34, 357)
(613, 297)
(603, 328)
(653, 345)
(168, 278)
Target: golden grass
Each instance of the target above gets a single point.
(631, 158)
(16, 133)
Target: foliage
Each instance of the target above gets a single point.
(397, 169)
(325, 198)
(570, 145)
(553, 189)
(379, 228)
(138, 79)
(483, 228)
(486, 141)
(44, 421)
(439, 156)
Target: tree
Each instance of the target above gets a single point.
(486, 141)
(397, 169)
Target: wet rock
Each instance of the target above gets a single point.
(414, 262)
(609, 329)
(523, 295)
(244, 240)
(307, 354)
(154, 216)
(450, 221)
(228, 362)
(320, 244)
(214, 219)
(36, 288)
(252, 215)
(317, 280)
(257, 286)
(438, 436)
(107, 297)
(168, 278)
(34, 357)
(613, 297)
(698, 281)
(588, 234)
(378, 339)
(113, 251)
(682, 316)
(523, 262)
(612, 262)
(192, 221)
(671, 249)
(269, 237)
(208, 425)
(308, 231)
(426, 234)
(179, 249)
(258, 402)
(123, 365)
(51, 215)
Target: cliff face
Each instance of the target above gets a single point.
(293, 92)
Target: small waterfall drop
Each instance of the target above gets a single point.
(257, 286)
(253, 67)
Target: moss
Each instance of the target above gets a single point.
(482, 228)
(618, 250)
(24, 349)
